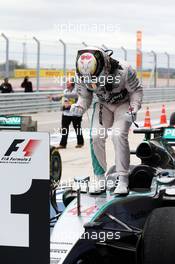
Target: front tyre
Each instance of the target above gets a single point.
(55, 167)
(158, 245)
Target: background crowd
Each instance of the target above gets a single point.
(6, 86)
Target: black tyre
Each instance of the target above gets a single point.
(172, 119)
(159, 237)
(55, 166)
(68, 197)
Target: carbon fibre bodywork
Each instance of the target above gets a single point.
(105, 228)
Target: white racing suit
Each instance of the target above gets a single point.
(109, 112)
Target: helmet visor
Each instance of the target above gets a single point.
(89, 62)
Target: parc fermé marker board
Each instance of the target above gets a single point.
(24, 198)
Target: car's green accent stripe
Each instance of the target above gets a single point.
(7, 121)
(98, 170)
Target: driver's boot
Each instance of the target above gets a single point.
(97, 184)
(122, 185)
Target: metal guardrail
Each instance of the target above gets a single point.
(154, 95)
(18, 103)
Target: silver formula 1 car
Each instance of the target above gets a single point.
(137, 228)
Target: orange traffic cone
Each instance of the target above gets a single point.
(163, 118)
(147, 123)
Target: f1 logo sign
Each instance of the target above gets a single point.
(13, 147)
(24, 198)
(29, 148)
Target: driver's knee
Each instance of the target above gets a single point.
(98, 139)
(98, 135)
(120, 136)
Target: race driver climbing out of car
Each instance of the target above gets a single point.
(118, 99)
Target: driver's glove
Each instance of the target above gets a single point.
(131, 115)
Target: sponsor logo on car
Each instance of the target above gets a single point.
(10, 120)
(169, 133)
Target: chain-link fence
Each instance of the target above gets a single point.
(46, 61)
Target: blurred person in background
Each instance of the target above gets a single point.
(27, 85)
(69, 97)
(6, 87)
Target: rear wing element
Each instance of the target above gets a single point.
(22, 123)
(169, 134)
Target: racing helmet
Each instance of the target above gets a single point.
(91, 63)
